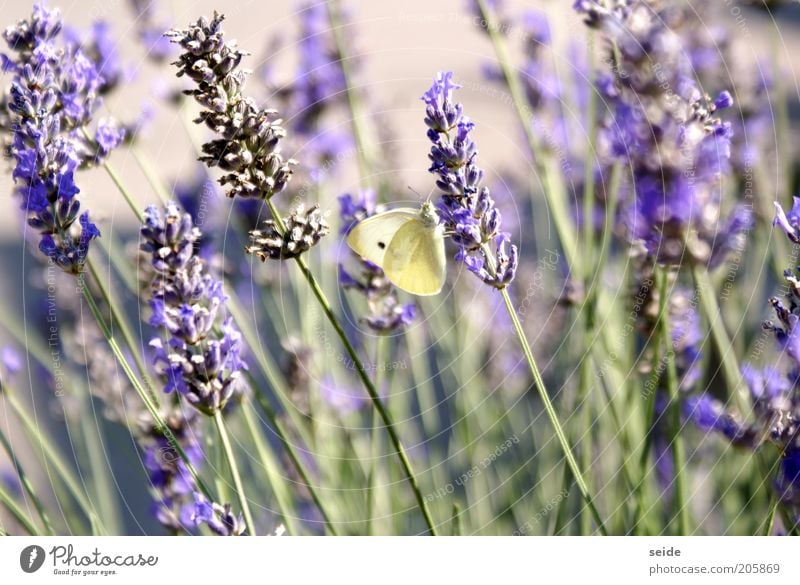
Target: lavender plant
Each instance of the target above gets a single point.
(622, 137)
(200, 358)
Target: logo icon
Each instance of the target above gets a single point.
(31, 558)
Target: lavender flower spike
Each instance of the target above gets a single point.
(201, 357)
(53, 94)
(466, 209)
(248, 147)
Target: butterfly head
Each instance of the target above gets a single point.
(428, 214)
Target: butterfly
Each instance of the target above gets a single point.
(408, 244)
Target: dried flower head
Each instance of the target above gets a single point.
(303, 230)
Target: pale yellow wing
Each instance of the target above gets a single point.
(371, 237)
(414, 260)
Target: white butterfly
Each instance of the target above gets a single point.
(408, 244)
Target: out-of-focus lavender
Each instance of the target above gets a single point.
(218, 517)
(773, 391)
(665, 129)
(151, 24)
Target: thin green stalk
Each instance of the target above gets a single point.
(362, 374)
(152, 409)
(353, 100)
(26, 484)
(119, 184)
(380, 345)
(769, 522)
(17, 512)
(272, 471)
(674, 409)
(585, 444)
(551, 412)
(267, 366)
(103, 485)
(117, 318)
(730, 365)
(55, 458)
(237, 480)
(588, 168)
(273, 420)
(455, 520)
(143, 160)
(552, 190)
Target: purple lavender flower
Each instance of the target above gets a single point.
(53, 96)
(665, 129)
(170, 480)
(319, 80)
(219, 518)
(150, 27)
(775, 398)
(789, 222)
(103, 50)
(11, 360)
(201, 356)
(467, 210)
(385, 312)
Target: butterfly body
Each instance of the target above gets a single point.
(408, 244)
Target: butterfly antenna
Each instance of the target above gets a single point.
(418, 194)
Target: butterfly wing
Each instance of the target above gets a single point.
(371, 237)
(415, 259)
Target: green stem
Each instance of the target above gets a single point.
(119, 319)
(102, 483)
(455, 520)
(769, 523)
(26, 484)
(237, 480)
(55, 458)
(267, 366)
(152, 408)
(362, 374)
(674, 409)
(730, 366)
(273, 420)
(551, 412)
(553, 190)
(17, 512)
(272, 470)
(353, 100)
(143, 160)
